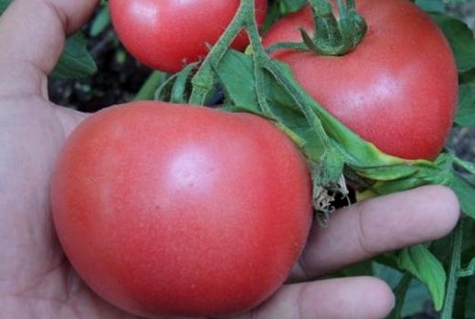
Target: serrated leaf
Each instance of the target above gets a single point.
(460, 38)
(76, 62)
(424, 266)
(465, 116)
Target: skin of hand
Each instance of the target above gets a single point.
(36, 280)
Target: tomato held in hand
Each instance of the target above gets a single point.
(175, 210)
(167, 34)
(397, 89)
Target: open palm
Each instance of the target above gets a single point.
(36, 280)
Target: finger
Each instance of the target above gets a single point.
(357, 297)
(32, 35)
(382, 224)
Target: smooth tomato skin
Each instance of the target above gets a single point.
(397, 89)
(174, 210)
(167, 34)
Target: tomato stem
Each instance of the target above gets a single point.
(454, 268)
(204, 80)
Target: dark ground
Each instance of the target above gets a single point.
(120, 77)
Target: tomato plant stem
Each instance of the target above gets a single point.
(400, 291)
(453, 277)
(330, 157)
(204, 80)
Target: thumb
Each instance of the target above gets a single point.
(32, 35)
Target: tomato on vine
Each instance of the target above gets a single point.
(397, 88)
(167, 34)
(179, 210)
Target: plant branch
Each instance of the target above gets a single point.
(455, 264)
(204, 80)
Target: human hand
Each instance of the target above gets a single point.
(36, 280)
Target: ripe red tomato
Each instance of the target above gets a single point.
(175, 210)
(397, 89)
(166, 34)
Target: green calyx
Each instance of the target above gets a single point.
(332, 36)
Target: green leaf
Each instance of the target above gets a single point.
(421, 263)
(460, 38)
(414, 298)
(278, 9)
(286, 6)
(3, 5)
(148, 90)
(431, 6)
(100, 21)
(465, 116)
(76, 61)
(465, 190)
(463, 184)
(239, 90)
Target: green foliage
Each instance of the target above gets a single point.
(412, 294)
(101, 21)
(420, 262)
(466, 108)
(461, 40)
(76, 61)
(431, 5)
